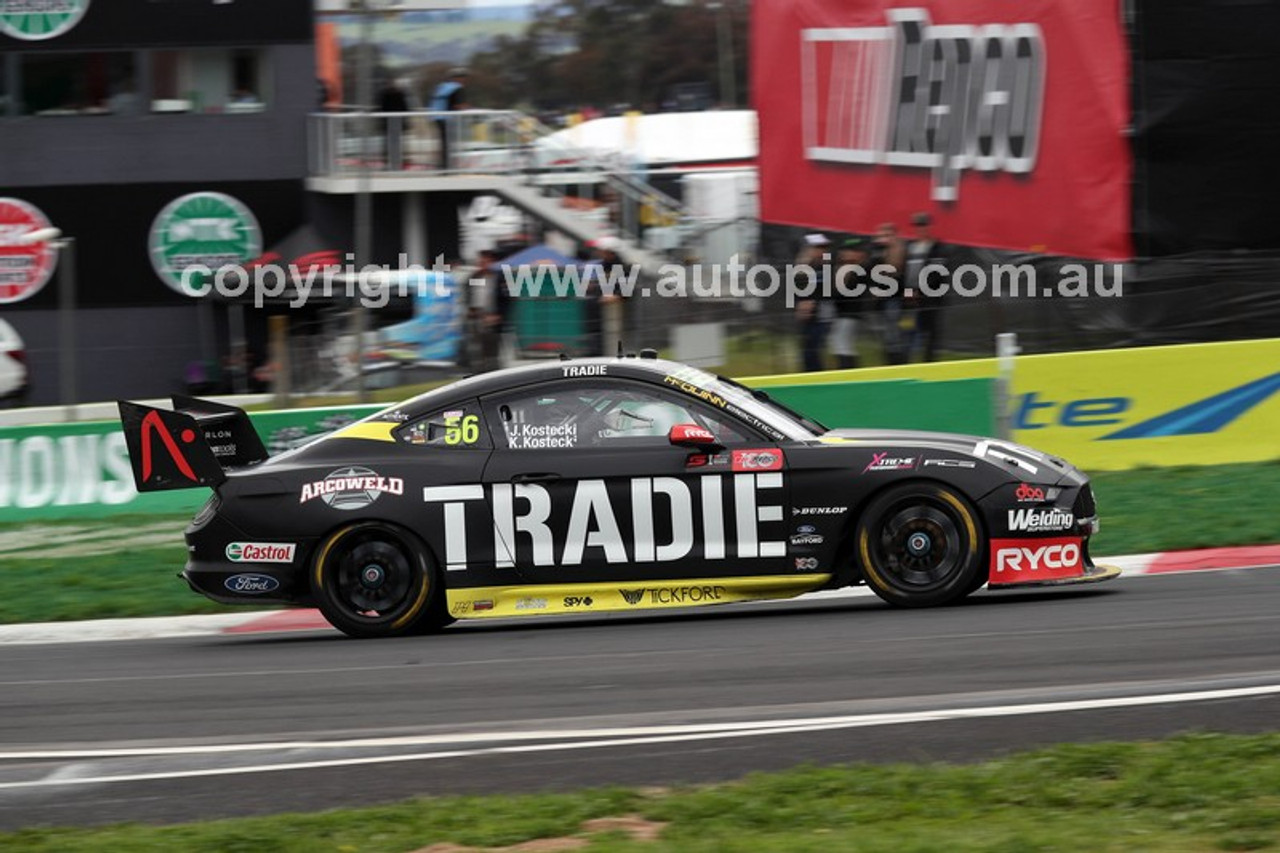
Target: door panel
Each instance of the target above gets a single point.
(585, 487)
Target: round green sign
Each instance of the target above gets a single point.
(36, 20)
(210, 230)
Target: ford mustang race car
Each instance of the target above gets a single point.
(603, 485)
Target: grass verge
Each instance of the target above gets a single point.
(1191, 793)
(1145, 510)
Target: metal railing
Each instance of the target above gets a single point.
(493, 143)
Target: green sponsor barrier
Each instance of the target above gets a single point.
(82, 470)
(955, 405)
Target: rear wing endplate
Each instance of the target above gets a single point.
(190, 446)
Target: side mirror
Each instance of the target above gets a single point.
(694, 437)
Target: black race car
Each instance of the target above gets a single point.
(603, 485)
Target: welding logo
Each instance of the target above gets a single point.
(944, 98)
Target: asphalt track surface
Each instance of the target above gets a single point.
(217, 726)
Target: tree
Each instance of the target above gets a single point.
(605, 53)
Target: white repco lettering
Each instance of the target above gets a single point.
(692, 514)
(911, 94)
(1035, 559)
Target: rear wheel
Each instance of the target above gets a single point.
(376, 580)
(920, 545)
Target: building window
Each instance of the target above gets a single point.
(209, 81)
(79, 83)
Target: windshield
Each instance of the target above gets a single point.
(753, 406)
(815, 427)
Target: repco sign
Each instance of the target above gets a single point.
(914, 95)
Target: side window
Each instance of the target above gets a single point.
(455, 427)
(615, 414)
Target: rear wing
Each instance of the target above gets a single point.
(189, 446)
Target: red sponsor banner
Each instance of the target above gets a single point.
(24, 269)
(1035, 560)
(767, 459)
(1005, 121)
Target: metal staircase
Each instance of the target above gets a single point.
(503, 152)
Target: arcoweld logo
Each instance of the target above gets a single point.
(945, 98)
(351, 488)
(261, 552)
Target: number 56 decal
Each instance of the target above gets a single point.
(461, 430)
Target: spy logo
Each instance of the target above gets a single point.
(153, 427)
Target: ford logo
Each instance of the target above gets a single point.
(251, 584)
(806, 528)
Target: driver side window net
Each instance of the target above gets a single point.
(603, 416)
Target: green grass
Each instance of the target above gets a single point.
(1141, 511)
(1200, 792)
(1164, 509)
(108, 586)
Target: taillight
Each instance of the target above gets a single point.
(18, 355)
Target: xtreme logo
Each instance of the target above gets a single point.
(721, 514)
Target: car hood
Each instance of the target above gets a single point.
(1017, 459)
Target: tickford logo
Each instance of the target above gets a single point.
(206, 229)
(36, 20)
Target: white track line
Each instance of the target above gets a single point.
(600, 738)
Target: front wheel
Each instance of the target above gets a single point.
(920, 545)
(376, 580)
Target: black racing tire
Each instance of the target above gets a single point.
(920, 545)
(373, 579)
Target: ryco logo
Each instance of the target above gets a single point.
(1030, 560)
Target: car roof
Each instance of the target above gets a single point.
(648, 369)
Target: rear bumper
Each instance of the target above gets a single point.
(243, 583)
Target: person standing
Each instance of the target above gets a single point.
(888, 256)
(852, 273)
(392, 99)
(449, 96)
(923, 251)
(814, 313)
(487, 313)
